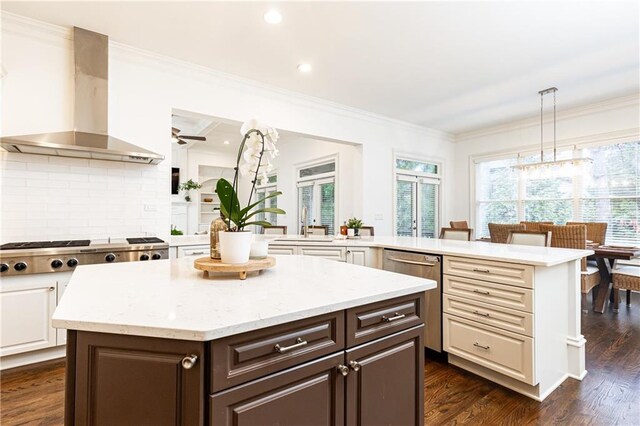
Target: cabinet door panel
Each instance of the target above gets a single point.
(310, 394)
(137, 381)
(331, 253)
(27, 304)
(388, 388)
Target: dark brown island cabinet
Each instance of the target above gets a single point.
(360, 366)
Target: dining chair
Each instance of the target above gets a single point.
(275, 230)
(366, 231)
(316, 230)
(575, 237)
(456, 234)
(534, 226)
(625, 277)
(529, 238)
(459, 224)
(499, 232)
(596, 231)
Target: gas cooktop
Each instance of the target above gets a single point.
(35, 257)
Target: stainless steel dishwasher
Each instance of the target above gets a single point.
(424, 266)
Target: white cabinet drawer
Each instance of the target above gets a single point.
(200, 250)
(282, 249)
(483, 291)
(507, 353)
(487, 270)
(504, 318)
(331, 253)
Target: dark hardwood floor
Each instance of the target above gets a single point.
(609, 394)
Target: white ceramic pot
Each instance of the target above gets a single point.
(235, 247)
(351, 232)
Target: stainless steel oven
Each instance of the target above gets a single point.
(424, 266)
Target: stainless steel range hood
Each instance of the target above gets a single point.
(89, 139)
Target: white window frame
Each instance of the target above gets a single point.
(436, 178)
(575, 145)
(316, 181)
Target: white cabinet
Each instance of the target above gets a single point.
(199, 250)
(27, 304)
(62, 281)
(282, 250)
(359, 256)
(331, 253)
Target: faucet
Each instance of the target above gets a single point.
(303, 216)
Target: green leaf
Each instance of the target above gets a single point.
(248, 208)
(229, 204)
(258, 222)
(265, 210)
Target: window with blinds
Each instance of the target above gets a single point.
(262, 191)
(416, 198)
(317, 192)
(607, 191)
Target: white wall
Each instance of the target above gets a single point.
(37, 97)
(617, 119)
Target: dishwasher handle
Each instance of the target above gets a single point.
(411, 262)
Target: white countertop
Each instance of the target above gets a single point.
(527, 255)
(171, 299)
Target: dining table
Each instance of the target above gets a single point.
(606, 256)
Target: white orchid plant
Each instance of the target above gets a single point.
(256, 152)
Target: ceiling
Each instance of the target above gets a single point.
(452, 66)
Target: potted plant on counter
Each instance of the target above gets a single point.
(256, 151)
(188, 186)
(355, 225)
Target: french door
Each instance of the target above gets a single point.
(416, 206)
(318, 196)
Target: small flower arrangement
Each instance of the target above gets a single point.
(188, 186)
(255, 155)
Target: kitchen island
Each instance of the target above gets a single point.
(308, 342)
(509, 313)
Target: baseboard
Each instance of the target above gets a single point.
(18, 360)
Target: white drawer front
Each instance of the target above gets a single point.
(487, 270)
(504, 318)
(483, 291)
(202, 250)
(332, 253)
(282, 250)
(507, 353)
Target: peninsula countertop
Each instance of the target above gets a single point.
(527, 255)
(171, 299)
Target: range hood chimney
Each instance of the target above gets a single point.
(89, 138)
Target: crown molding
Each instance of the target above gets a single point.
(601, 106)
(50, 32)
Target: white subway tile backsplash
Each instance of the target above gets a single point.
(55, 197)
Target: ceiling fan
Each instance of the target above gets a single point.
(182, 139)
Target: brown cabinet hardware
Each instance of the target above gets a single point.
(282, 349)
(475, 290)
(343, 369)
(396, 316)
(355, 366)
(478, 345)
(482, 314)
(189, 361)
(485, 271)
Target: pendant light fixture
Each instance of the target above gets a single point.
(555, 167)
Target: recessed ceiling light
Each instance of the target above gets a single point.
(226, 142)
(273, 17)
(304, 67)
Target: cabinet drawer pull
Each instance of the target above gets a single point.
(282, 349)
(355, 365)
(482, 314)
(485, 271)
(197, 252)
(478, 345)
(51, 288)
(395, 317)
(189, 361)
(343, 369)
(486, 293)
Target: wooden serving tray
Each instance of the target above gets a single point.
(209, 265)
